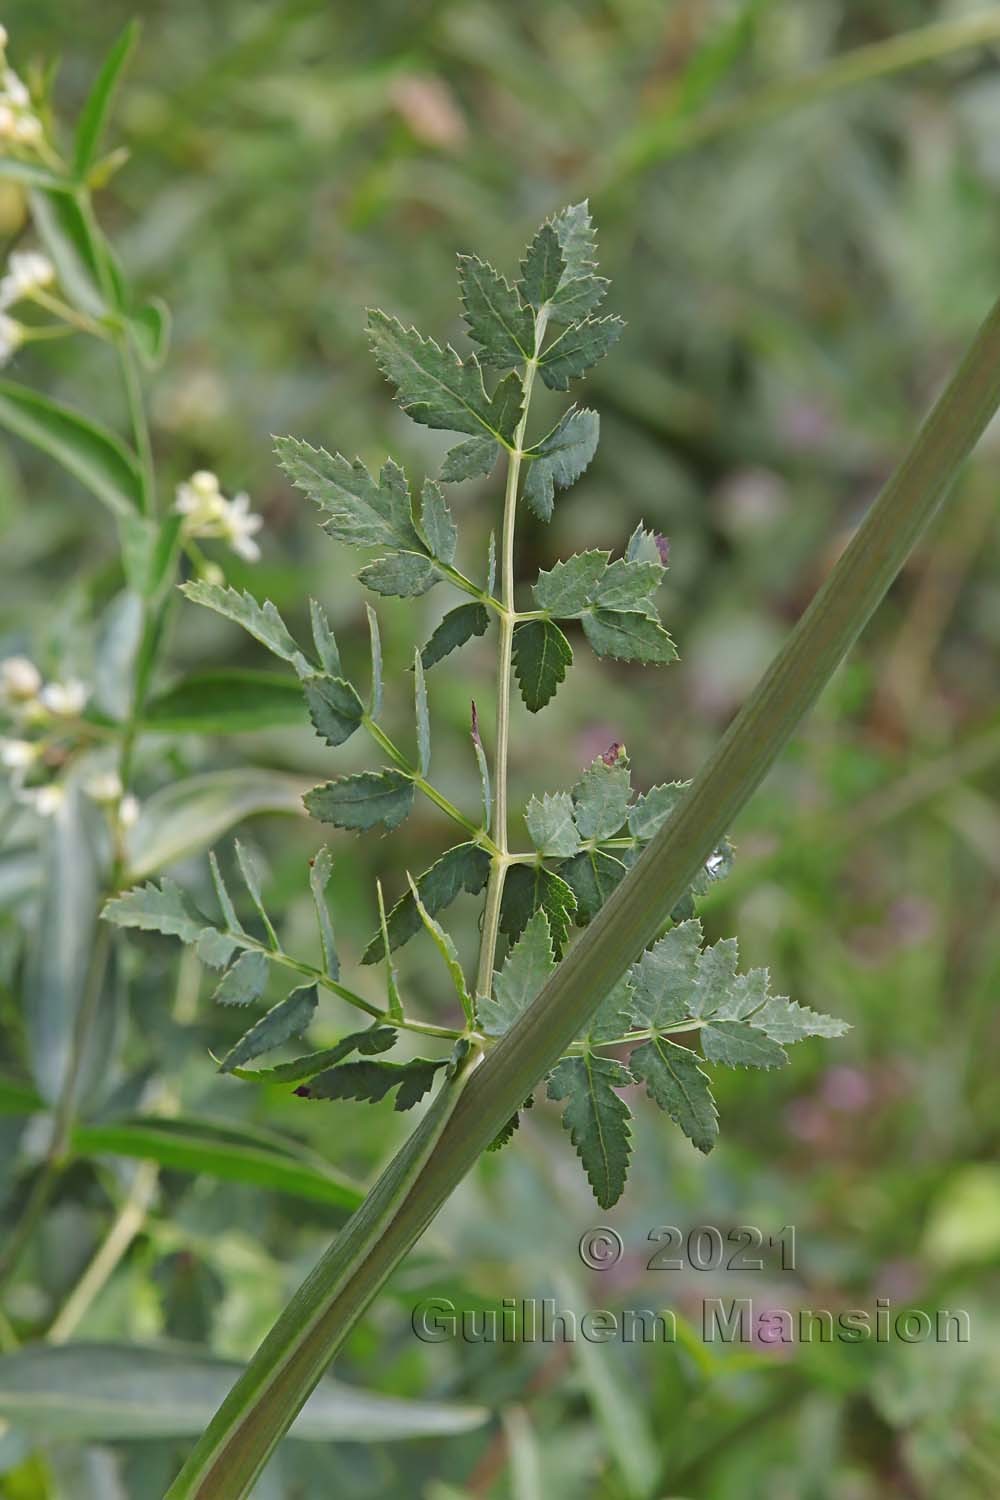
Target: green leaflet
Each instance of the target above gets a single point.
(375, 693)
(469, 459)
(542, 268)
(528, 964)
(435, 387)
(361, 801)
(464, 868)
(251, 880)
(445, 946)
(541, 655)
(334, 707)
(567, 588)
(675, 1082)
(578, 350)
(784, 1021)
(262, 621)
(405, 574)
(497, 319)
(597, 1119)
(157, 908)
(602, 795)
(287, 1019)
(98, 105)
(484, 771)
(651, 809)
(358, 510)
(422, 713)
(579, 290)
(458, 626)
(532, 888)
(92, 454)
(320, 870)
(373, 1080)
(738, 1045)
(591, 875)
(560, 458)
(373, 1039)
(436, 525)
(224, 703)
(245, 981)
(551, 825)
(628, 635)
(664, 977)
(324, 640)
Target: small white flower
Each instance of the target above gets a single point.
(207, 513)
(20, 679)
(105, 786)
(15, 91)
(128, 810)
(28, 271)
(11, 337)
(241, 526)
(18, 755)
(46, 800)
(64, 699)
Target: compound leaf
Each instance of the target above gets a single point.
(464, 868)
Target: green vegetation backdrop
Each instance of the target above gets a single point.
(800, 249)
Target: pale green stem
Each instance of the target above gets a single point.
(507, 619)
(127, 1224)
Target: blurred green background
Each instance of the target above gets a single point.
(798, 278)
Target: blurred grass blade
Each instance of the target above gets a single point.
(261, 1407)
(187, 816)
(671, 130)
(95, 112)
(116, 1392)
(225, 703)
(92, 454)
(32, 175)
(218, 1149)
(76, 247)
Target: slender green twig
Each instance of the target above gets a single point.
(506, 621)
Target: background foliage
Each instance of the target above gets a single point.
(795, 292)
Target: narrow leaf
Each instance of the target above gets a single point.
(91, 453)
(252, 882)
(542, 268)
(320, 870)
(391, 979)
(324, 640)
(95, 111)
(436, 525)
(446, 947)
(422, 715)
(375, 693)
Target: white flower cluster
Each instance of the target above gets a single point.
(18, 121)
(28, 271)
(207, 513)
(33, 703)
